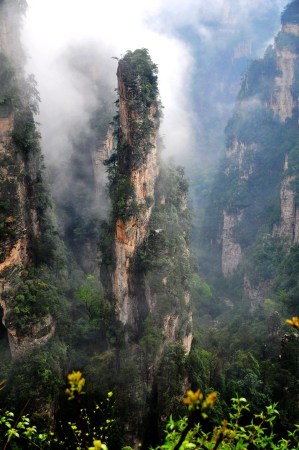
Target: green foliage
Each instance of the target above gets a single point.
(123, 199)
(259, 79)
(263, 259)
(33, 299)
(151, 340)
(287, 282)
(163, 259)
(233, 433)
(138, 76)
(8, 86)
(36, 378)
(98, 426)
(105, 243)
(244, 377)
(22, 430)
(25, 134)
(91, 296)
(200, 289)
(169, 379)
(201, 367)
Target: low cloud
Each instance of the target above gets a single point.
(53, 26)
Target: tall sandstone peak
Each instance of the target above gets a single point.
(21, 187)
(146, 267)
(142, 194)
(138, 163)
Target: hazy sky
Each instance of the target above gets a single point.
(115, 26)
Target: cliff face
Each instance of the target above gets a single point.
(141, 175)
(143, 202)
(231, 250)
(10, 29)
(283, 102)
(147, 278)
(288, 227)
(257, 188)
(20, 178)
(269, 86)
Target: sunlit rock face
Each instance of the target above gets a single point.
(129, 234)
(138, 192)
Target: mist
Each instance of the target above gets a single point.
(186, 39)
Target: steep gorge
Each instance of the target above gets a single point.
(257, 165)
(251, 231)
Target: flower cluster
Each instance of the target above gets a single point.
(294, 322)
(76, 384)
(98, 445)
(196, 400)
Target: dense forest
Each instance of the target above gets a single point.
(114, 301)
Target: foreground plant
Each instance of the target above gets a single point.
(190, 432)
(194, 431)
(21, 430)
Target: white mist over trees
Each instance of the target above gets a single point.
(174, 33)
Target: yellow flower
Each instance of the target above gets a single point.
(294, 322)
(97, 445)
(193, 399)
(210, 400)
(76, 384)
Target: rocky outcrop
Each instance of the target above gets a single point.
(241, 157)
(20, 173)
(19, 224)
(288, 225)
(102, 154)
(255, 294)
(141, 167)
(283, 102)
(291, 28)
(10, 29)
(39, 333)
(240, 164)
(276, 93)
(231, 249)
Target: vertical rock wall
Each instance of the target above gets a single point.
(241, 156)
(129, 234)
(283, 102)
(19, 219)
(231, 249)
